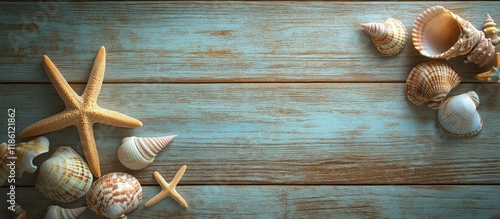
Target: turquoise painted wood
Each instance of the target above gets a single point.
(215, 41)
(282, 109)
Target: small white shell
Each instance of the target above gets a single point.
(56, 212)
(114, 195)
(24, 154)
(389, 37)
(490, 30)
(458, 115)
(65, 176)
(136, 153)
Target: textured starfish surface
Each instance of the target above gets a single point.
(168, 189)
(493, 74)
(81, 111)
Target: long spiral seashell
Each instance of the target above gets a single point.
(389, 37)
(136, 152)
(56, 212)
(490, 30)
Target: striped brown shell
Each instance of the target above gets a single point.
(389, 37)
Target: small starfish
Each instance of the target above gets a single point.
(81, 111)
(168, 189)
(492, 74)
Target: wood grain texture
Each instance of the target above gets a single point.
(214, 41)
(317, 133)
(304, 202)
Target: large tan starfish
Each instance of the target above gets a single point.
(168, 189)
(493, 74)
(81, 111)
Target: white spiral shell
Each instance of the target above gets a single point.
(136, 153)
(65, 176)
(114, 195)
(24, 155)
(56, 212)
(458, 115)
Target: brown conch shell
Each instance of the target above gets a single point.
(430, 82)
(24, 154)
(65, 176)
(56, 212)
(439, 33)
(136, 152)
(458, 115)
(114, 195)
(490, 30)
(389, 37)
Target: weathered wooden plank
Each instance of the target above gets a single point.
(268, 133)
(213, 41)
(302, 202)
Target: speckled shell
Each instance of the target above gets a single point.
(458, 115)
(64, 177)
(439, 33)
(482, 54)
(25, 153)
(430, 82)
(136, 153)
(490, 30)
(114, 195)
(389, 37)
(56, 212)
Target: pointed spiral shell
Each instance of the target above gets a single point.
(490, 30)
(458, 115)
(430, 82)
(136, 153)
(56, 212)
(65, 176)
(114, 195)
(24, 155)
(389, 37)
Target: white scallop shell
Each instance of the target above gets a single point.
(65, 176)
(24, 155)
(136, 153)
(114, 195)
(458, 115)
(56, 212)
(389, 37)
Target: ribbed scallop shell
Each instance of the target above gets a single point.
(136, 153)
(490, 30)
(389, 37)
(56, 212)
(438, 33)
(114, 195)
(65, 176)
(458, 115)
(24, 155)
(430, 82)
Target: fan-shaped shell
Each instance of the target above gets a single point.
(56, 212)
(439, 33)
(389, 37)
(430, 82)
(65, 176)
(136, 153)
(23, 157)
(458, 115)
(114, 195)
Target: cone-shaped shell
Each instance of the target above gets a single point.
(490, 30)
(64, 177)
(56, 212)
(114, 195)
(389, 37)
(430, 82)
(438, 33)
(136, 153)
(458, 115)
(24, 155)
(482, 54)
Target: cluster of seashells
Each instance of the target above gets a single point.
(66, 176)
(439, 33)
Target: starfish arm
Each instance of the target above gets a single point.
(49, 124)
(178, 198)
(178, 176)
(96, 77)
(86, 132)
(110, 117)
(164, 185)
(67, 94)
(157, 198)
